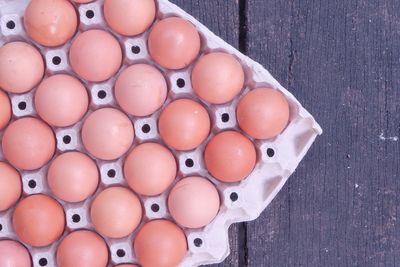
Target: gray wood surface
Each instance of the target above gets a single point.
(341, 59)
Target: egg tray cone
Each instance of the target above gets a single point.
(244, 201)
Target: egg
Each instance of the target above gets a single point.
(107, 133)
(21, 67)
(193, 202)
(227, 148)
(156, 179)
(116, 212)
(217, 78)
(10, 186)
(160, 243)
(73, 177)
(38, 220)
(5, 110)
(141, 90)
(61, 100)
(13, 254)
(82, 248)
(28, 143)
(95, 55)
(263, 113)
(184, 124)
(174, 43)
(50, 23)
(129, 17)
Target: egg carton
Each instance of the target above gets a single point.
(277, 158)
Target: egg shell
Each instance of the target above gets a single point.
(38, 220)
(10, 186)
(141, 90)
(174, 43)
(129, 17)
(61, 100)
(95, 55)
(263, 113)
(160, 243)
(154, 179)
(184, 124)
(28, 143)
(14, 254)
(193, 202)
(116, 212)
(21, 67)
(73, 177)
(82, 248)
(230, 156)
(217, 78)
(50, 22)
(107, 133)
(5, 110)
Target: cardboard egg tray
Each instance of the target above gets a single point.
(277, 159)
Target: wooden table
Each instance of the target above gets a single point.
(341, 59)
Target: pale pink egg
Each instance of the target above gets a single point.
(61, 100)
(10, 186)
(5, 110)
(14, 254)
(21, 67)
(107, 133)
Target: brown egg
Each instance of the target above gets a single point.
(28, 143)
(13, 254)
(156, 179)
(263, 113)
(141, 90)
(50, 23)
(217, 78)
(10, 186)
(230, 156)
(184, 124)
(73, 177)
(5, 110)
(95, 55)
(21, 67)
(38, 220)
(116, 212)
(160, 243)
(129, 17)
(107, 133)
(82, 248)
(61, 100)
(174, 43)
(193, 202)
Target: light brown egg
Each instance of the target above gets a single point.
(10, 186)
(28, 143)
(82, 248)
(38, 220)
(21, 67)
(61, 100)
(184, 124)
(160, 243)
(50, 23)
(14, 254)
(174, 43)
(129, 17)
(141, 90)
(157, 177)
(217, 78)
(263, 113)
(73, 177)
(5, 110)
(107, 133)
(95, 55)
(116, 212)
(230, 156)
(193, 202)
